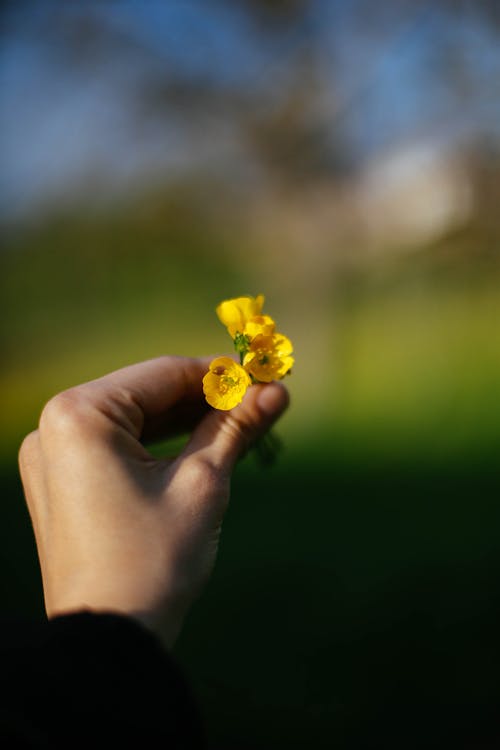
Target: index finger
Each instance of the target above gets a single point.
(154, 398)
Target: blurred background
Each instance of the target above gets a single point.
(344, 160)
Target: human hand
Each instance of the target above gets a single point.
(116, 529)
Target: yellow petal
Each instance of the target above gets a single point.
(282, 345)
(259, 325)
(234, 313)
(269, 357)
(225, 384)
(285, 366)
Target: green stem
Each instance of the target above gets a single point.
(267, 448)
(269, 445)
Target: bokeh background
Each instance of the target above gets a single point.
(344, 160)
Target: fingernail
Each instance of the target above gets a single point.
(272, 399)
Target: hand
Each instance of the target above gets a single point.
(116, 529)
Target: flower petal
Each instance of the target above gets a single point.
(234, 313)
(259, 324)
(225, 384)
(269, 357)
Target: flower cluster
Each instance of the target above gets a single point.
(265, 355)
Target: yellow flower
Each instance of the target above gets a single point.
(225, 383)
(259, 324)
(264, 354)
(269, 357)
(234, 313)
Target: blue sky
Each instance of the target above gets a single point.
(63, 122)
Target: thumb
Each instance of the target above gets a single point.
(223, 436)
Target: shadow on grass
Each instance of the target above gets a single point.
(352, 609)
(348, 608)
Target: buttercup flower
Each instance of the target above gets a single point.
(235, 313)
(269, 357)
(225, 383)
(265, 355)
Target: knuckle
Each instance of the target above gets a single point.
(29, 450)
(208, 492)
(64, 412)
(239, 431)
(203, 475)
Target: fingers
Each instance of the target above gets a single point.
(163, 396)
(223, 436)
(140, 398)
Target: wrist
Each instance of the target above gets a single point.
(164, 620)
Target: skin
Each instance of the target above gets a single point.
(116, 529)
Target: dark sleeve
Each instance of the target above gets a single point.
(86, 680)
